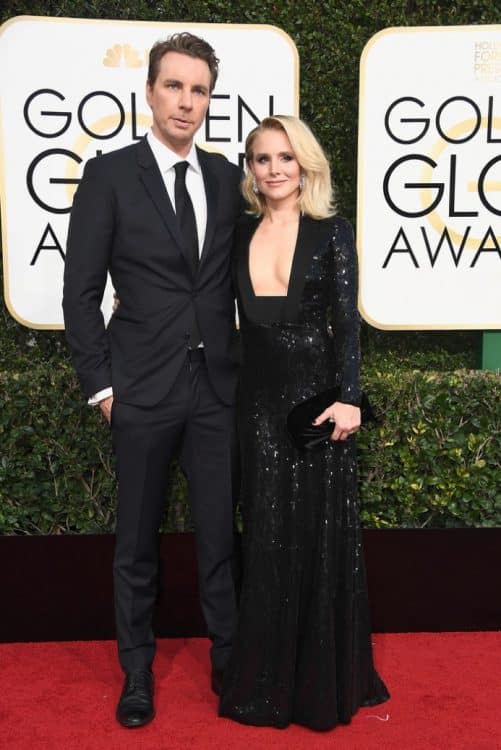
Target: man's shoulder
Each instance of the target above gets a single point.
(116, 159)
(218, 162)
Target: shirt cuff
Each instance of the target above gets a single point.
(100, 396)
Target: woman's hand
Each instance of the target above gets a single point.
(346, 417)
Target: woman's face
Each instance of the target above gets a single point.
(275, 167)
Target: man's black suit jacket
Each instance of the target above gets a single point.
(122, 221)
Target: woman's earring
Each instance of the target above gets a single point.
(301, 181)
(254, 185)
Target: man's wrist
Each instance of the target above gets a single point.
(96, 398)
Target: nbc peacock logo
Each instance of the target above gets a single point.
(125, 55)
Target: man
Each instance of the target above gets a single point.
(159, 216)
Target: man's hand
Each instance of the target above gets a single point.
(105, 406)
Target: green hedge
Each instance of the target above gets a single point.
(435, 460)
(423, 466)
(56, 468)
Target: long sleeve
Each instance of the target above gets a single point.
(346, 320)
(89, 243)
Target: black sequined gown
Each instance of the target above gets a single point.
(302, 651)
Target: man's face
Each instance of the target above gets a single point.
(179, 99)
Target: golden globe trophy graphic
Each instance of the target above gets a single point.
(72, 107)
(429, 184)
(450, 202)
(119, 55)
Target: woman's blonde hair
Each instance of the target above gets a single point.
(316, 198)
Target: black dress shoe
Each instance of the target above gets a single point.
(216, 680)
(135, 707)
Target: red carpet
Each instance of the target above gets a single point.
(446, 695)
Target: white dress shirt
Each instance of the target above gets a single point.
(166, 159)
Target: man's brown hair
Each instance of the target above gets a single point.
(186, 44)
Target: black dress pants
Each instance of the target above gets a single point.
(192, 423)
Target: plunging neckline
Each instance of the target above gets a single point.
(293, 264)
(312, 234)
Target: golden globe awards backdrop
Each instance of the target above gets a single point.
(74, 89)
(429, 186)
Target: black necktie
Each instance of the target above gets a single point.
(188, 227)
(186, 216)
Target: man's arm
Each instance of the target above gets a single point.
(90, 238)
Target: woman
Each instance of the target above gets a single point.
(302, 651)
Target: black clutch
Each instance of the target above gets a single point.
(303, 433)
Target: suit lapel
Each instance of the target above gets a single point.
(155, 187)
(152, 180)
(212, 196)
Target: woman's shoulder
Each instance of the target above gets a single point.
(244, 229)
(334, 229)
(247, 220)
(245, 225)
(334, 223)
